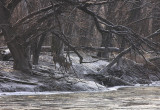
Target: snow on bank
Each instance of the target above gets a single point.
(89, 86)
(81, 69)
(115, 88)
(95, 64)
(154, 83)
(33, 93)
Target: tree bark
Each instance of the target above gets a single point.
(37, 49)
(19, 55)
(106, 42)
(57, 46)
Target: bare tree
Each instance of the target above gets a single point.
(40, 24)
(17, 50)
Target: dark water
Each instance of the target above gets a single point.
(134, 98)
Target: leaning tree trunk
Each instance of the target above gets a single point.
(57, 45)
(19, 55)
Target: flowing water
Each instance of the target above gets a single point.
(125, 98)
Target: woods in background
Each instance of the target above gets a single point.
(109, 26)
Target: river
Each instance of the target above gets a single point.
(125, 98)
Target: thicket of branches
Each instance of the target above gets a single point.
(120, 31)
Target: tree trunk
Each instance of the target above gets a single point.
(37, 49)
(106, 42)
(19, 55)
(57, 46)
(21, 61)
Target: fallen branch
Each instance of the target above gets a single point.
(115, 60)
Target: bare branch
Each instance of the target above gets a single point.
(12, 4)
(19, 22)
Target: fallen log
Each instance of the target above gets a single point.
(5, 54)
(99, 49)
(95, 49)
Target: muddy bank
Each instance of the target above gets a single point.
(135, 98)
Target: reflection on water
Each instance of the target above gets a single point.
(134, 98)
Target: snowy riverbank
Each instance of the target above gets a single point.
(80, 77)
